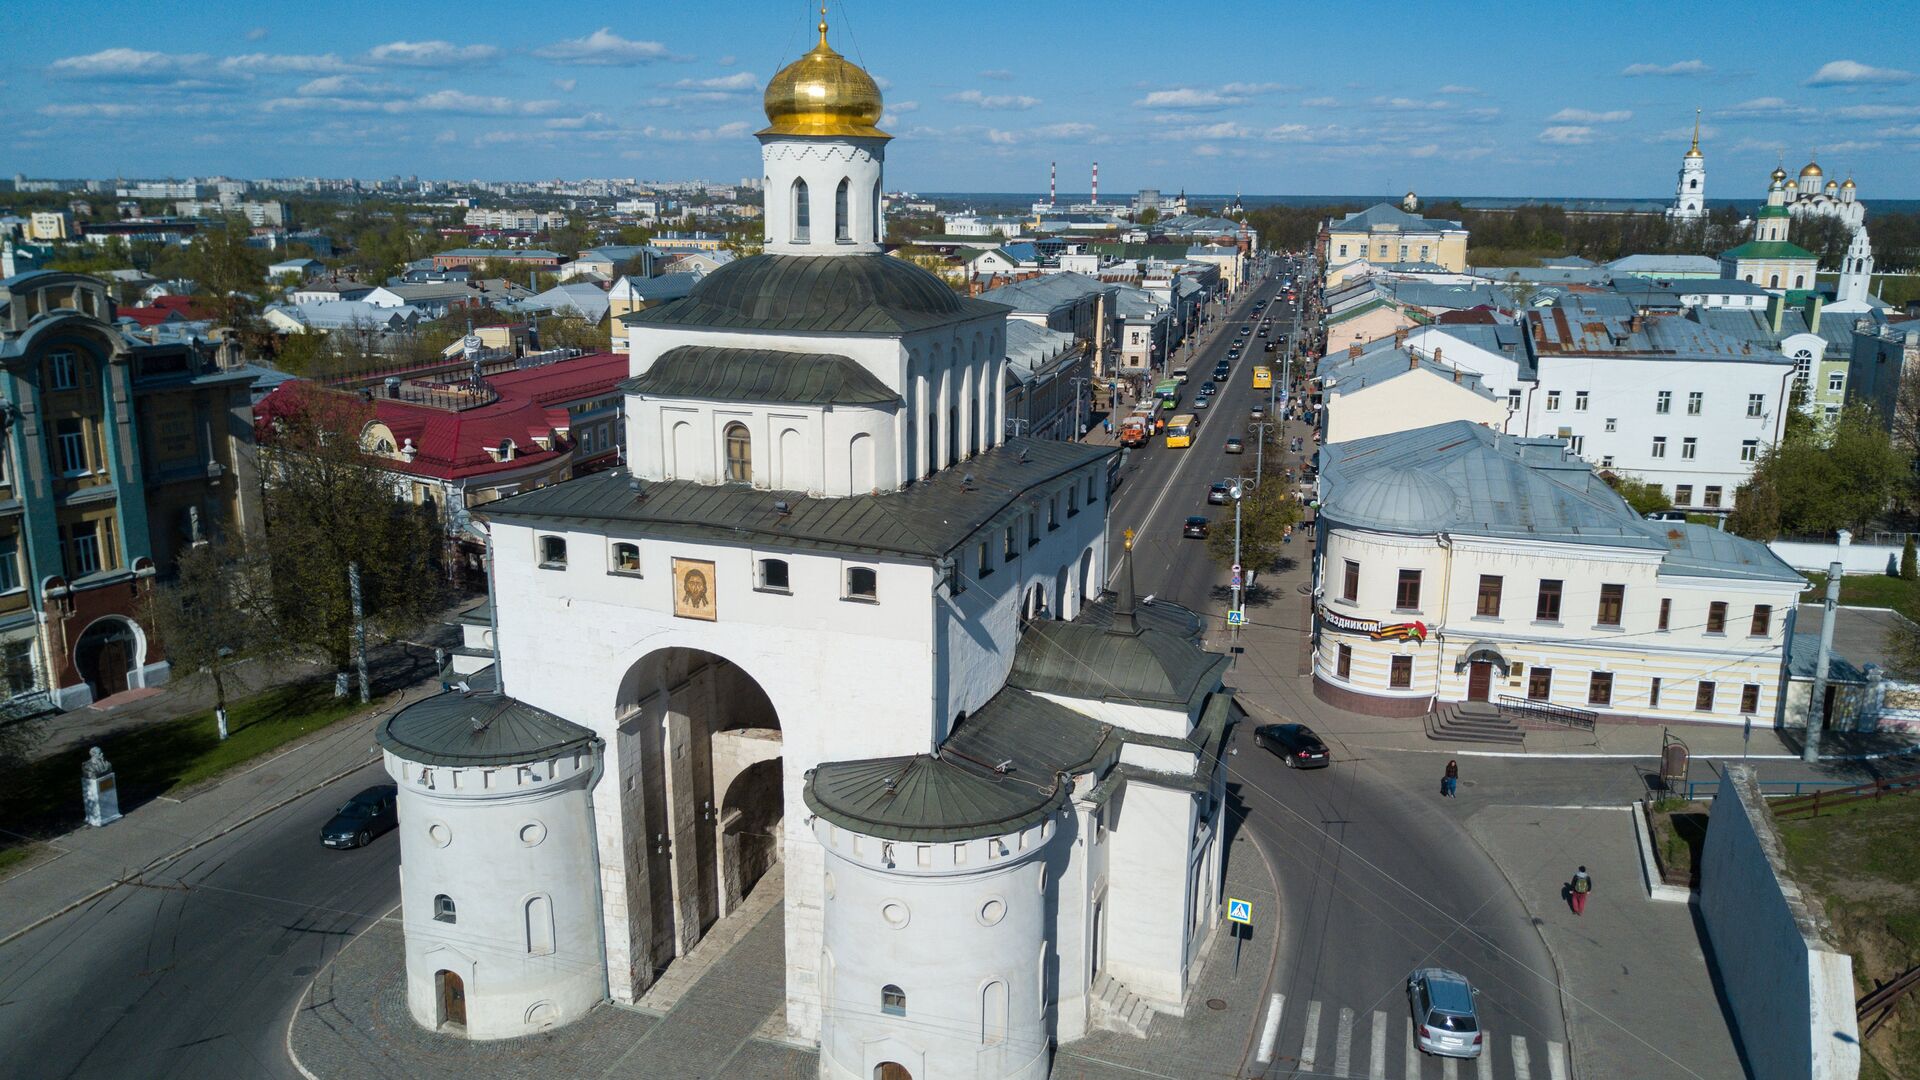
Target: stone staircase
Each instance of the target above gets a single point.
(1112, 1007)
(1473, 722)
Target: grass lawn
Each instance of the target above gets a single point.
(1869, 590)
(1863, 862)
(43, 797)
(1679, 829)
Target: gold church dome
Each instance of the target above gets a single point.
(1812, 171)
(823, 93)
(1849, 183)
(1779, 174)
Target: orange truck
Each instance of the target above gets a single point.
(1135, 429)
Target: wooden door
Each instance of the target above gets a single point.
(1479, 680)
(891, 1070)
(113, 668)
(453, 999)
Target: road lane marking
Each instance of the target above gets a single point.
(1343, 1044)
(1557, 1060)
(1485, 1060)
(1272, 1033)
(1522, 1065)
(1377, 1069)
(1311, 1048)
(1413, 1052)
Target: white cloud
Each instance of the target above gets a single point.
(727, 61)
(1587, 116)
(1425, 151)
(1771, 107)
(739, 80)
(1067, 132)
(574, 123)
(1241, 89)
(1852, 72)
(1875, 112)
(431, 54)
(1910, 132)
(724, 131)
(1682, 67)
(1402, 104)
(258, 33)
(997, 75)
(344, 86)
(1566, 135)
(1321, 103)
(440, 101)
(1183, 99)
(1453, 88)
(896, 110)
(994, 101)
(283, 64)
(127, 64)
(603, 48)
(565, 86)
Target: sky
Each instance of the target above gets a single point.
(1573, 99)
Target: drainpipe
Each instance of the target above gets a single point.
(1816, 711)
(1445, 542)
(493, 616)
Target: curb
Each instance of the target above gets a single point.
(1656, 888)
(1559, 973)
(134, 877)
(1273, 964)
(301, 1001)
(1549, 755)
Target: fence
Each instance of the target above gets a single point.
(1548, 713)
(1809, 805)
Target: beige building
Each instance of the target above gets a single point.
(1403, 387)
(50, 225)
(1368, 321)
(1385, 234)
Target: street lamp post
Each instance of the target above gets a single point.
(1816, 704)
(1234, 582)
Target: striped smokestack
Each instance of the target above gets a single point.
(1096, 183)
(1053, 182)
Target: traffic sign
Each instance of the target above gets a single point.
(1236, 580)
(1236, 569)
(1236, 617)
(1240, 911)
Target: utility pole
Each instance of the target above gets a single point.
(1239, 487)
(1816, 705)
(1259, 452)
(1079, 382)
(359, 629)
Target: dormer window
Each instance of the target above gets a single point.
(62, 371)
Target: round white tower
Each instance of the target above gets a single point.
(1690, 192)
(822, 158)
(499, 893)
(935, 956)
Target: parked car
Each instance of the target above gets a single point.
(1235, 445)
(1219, 493)
(1179, 374)
(1258, 412)
(1667, 515)
(1195, 528)
(1444, 1019)
(1273, 346)
(364, 817)
(1296, 744)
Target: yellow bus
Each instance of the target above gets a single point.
(1262, 377)
(1181, 430)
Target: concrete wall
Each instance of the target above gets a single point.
(1790, 992)
(1859, 558)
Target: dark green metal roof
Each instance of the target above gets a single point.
(928, 799)
(925, 520)
(1074, 659)
(760, 375)
(478, 728)
(1033, 737)
(835, 294)
(1768, 249)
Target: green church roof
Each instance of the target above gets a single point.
(1768, 249)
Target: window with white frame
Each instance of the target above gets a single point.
(1613, 423)
(1513, 400)
(863, 583)
(1659, 446)
(10, 579)
(1606, 461)
(1756, 404)
(771, 575)
(1836, 381)
(70, 447)
(62, 371)
(1696, 401)
(83, 548)
(1750, 450)
(1553, 401)
(1688, 447)
(625, 558)
(1579, 401)
(1803, 368)
(1663, 402)
(553, 553)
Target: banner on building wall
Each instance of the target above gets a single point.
(1415, 631)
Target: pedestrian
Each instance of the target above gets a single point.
(1577, 891)
(1450, 783)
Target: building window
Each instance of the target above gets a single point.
(443, 908)
(1009, 550)
(1489, 601)
(1053, 513)
(1695, 399)
(1756, 404)
(1091, 496)
(1688, 447)
(1836, 381)
(1600, 688)
(1762, 624)
(842, 228)
(1653, 694)
(862, 583)
(1683, 494)
(1579, 401)
(83, 548)
(1345, 661)
(1400, 674)
(1666, 611)
(70, 439)
(1073, 502)
(1408, 596)
(1703, 698)
(993, 1013)
(1343, 251)
(801, 216)
(1612, 599)
(1712, 499)
(1613, 423)
(1802, 370)
(553, 553)
(770, 575)
(1033, 527)
(1350, 586)
(1750, 450)
(981, 565)
(1606, 461)
(540, 926)
(626, 559)
(10, 564)
(1659, 446)
(1547, 609)
(1539, 683)
(739, 454)
(1750, 698)
(61, 371)
(1663, 402)
(1553, 401)
(893, 1000)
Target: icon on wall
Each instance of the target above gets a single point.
(693, 595)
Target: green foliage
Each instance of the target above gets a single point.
(1909, 571)
(1816, 482)
(213, 614)
(1146, 218)
(1266, 513)
(1644, 496)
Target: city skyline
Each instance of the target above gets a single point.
(1312, 102)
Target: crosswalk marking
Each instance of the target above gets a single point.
(1343, 1045)
(1272, 1034)
(1413, 1052)
(1310, 1049)
(1450, 1068)
(1557, 1060)
(1522, 1064)
(1485, 1060)
(1377, 1070)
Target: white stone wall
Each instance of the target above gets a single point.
(1408, 400)
(512, 847)
(822, 163)
(1150, 903)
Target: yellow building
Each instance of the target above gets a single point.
(51, 225)
(1384, 235)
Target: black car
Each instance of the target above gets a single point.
(364, 817)
(1209, 387)
(1296, 744)
(1219, 493)
(1195, 528)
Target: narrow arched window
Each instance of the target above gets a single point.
(739, 453)
(801, 215)
(878, 221)
(540, 925)
(893, 1000)
(842, 212)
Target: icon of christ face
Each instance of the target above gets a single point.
(693, 589)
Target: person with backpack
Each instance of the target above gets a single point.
(1578, 891)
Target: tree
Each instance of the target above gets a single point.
(1909, 571)
(214, 615)
(1146, 218)
(232, 274)
(1266, 513)
(1818, 481)
(1643, 496)
(330, 506)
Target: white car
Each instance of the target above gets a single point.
(1444, 1019)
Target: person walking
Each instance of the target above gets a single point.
(1577, 892)
(1450, 783)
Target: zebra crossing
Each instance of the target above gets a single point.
(1343, 1043)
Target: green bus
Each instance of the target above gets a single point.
(1169, 394)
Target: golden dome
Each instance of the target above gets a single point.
(1812, 170)
(823, 93)
(1779, 174)
(1849, 183)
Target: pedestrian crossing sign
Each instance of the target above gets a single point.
(1240, 911)
(1236, 617)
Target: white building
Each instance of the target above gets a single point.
(1459, 564)
(517, 220)
(1813, 194)
(1690, 191)
(830, 616)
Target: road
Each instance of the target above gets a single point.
(194, 973)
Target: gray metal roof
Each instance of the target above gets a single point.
(1048, 292)
(1076, 659)
(835, 294)
(476, 728)
(1663, 265)
(767, 376)
(1594, 324)
(1381, 215)
(925, 520)
(929, 799)
(1379, 365)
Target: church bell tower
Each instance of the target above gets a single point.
(822, 158)
(1690, 194)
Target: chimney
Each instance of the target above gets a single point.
(1413, 360)
(1053, 182)
(1776, 312)
(1814, 303)
(1456, 375)
(1400, 336)
(1635, 324)
(1096, 183)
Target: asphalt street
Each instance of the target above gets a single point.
(194, 973)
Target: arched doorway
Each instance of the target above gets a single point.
(891, 1070)
(750, 817)
(107, 654)
(452, 995)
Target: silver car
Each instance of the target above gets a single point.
(1444, 1019)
